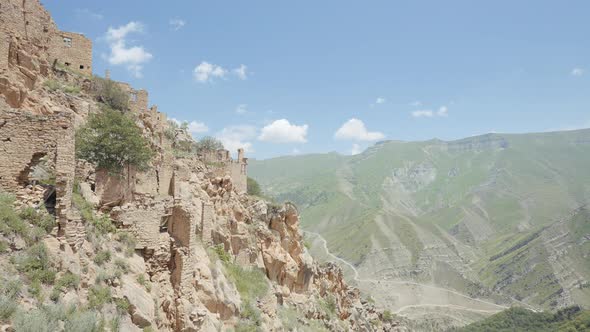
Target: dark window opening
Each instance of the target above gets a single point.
(81, 66)
(67, 64)
(24, 178)
(93, 187)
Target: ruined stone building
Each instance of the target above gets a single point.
(71, 50)
(236, 169)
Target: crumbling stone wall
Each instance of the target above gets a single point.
(236, 169)
(24, 139)
(138, 99)
(72, 50)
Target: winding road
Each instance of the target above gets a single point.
(359, 280)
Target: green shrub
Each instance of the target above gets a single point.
(143, 281)
(219, 251)
(7, 307)
(104, 224)
(35, 320)
(251, 283)
(122, 305)
(328, 305)
(387, 316)
(209, 143)
(10, 221)
(115, 324)
(71, 89)
(11, 288)
(128, 240)
(3, 246)
(111, 140)
(39, 218)
(67, 281)
(52, 85)
(36, 290)
(98, 296)
(110, 93)
(85, 321)
(121, 265)
(253, 187)
(102, 257)
(35, 264)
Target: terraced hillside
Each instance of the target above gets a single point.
(499, 217)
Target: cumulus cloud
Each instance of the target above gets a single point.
(356, 149)
(177, 23)
(205, 72)
(282, 131)
(577, 71)
(354, 129)
(443, 111)
(133, 57)
(242, 109)
(241, 72)
(236, 137)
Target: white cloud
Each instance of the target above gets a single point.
(423, 113)
(356, 149)
(443, 111)
(242, 109)
(87, 13)
(236, 137)
(577, 71)
(380, 100)
(354, 129)
(295, 151)
(281, 131)
(133, 57)
(241, 72)
(177, 23)
(206, 71)
(195, 127)
(416, 103)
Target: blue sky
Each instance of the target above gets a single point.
(315, 76)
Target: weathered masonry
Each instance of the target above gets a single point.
(236, 169)
(71, 50)
(26, 139)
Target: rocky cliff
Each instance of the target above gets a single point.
(172, 248)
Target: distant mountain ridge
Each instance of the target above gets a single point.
(496, 216)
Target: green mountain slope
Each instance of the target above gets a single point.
(571, 319)
(496, 216)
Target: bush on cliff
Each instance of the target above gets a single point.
(109, 93)
(209, 143)
(253, 187)
(111, 140)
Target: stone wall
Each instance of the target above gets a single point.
(72, 50)
(26, 138)
(236, 169)
(138, 99)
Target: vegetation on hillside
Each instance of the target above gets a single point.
(571, 319)
(111, 140)
(253, 187)
(109, 93)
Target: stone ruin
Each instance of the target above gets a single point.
(236, 169)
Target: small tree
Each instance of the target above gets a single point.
(209, 143)
(253, 187)
(110, 93)
(111, 141)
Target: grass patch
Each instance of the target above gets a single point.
(67, 281)
(102, 257)
(34, 263)
(98, 296)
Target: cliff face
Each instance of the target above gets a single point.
(173, 248)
